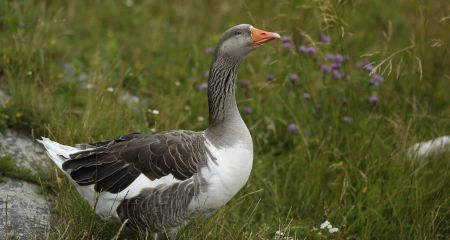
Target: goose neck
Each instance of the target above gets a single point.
(222, 93)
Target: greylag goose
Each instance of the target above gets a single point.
(158, 182)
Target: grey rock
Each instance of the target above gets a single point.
(422, 152)
(24, 211)
(24, 150)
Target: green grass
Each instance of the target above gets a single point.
(354, 175)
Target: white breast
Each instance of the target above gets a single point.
(224, 176)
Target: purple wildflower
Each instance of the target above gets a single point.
(311, 50)
(336, 74)
(347, 119)
(292, 127)
(202, 86)
(287, 45)
(307, 50)
(302, 49)
(325, 68)
(209, 50)
(335, 66)
(339, 58)
(244, 83)
(376, 80)
(293, 77)
(374, 100)
(330, 57)
(368, 67)
(362, 63)
(285, 39)
(270, 77)
(325, 38)
(306, 96)
(248, 110)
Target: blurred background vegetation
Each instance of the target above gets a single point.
(327, 146)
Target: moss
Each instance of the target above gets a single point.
(9, 169)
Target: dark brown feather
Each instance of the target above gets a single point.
(114, 165)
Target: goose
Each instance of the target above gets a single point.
(155, 183)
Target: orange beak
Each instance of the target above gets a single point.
(260, 36)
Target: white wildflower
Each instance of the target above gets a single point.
(200, 119)
(187, 108)
(153, 130)
(333, 230)
(279, 233)
(154, 111)
(325, 224)
(89, 86)
(110, 89)
(177, 83)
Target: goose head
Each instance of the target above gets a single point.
(240, 40)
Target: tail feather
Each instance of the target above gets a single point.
(93, 179)
(57, 152)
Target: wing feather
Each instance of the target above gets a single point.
(114, 165)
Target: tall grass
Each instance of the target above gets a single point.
(353, 174)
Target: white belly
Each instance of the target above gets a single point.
(224, 177)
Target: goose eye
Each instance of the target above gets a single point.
(237, 33)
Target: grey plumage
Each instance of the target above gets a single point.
(160, 209)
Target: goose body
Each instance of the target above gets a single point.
(158, 182)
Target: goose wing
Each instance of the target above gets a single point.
(114, 165)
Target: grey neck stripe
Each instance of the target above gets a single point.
(221, 91)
